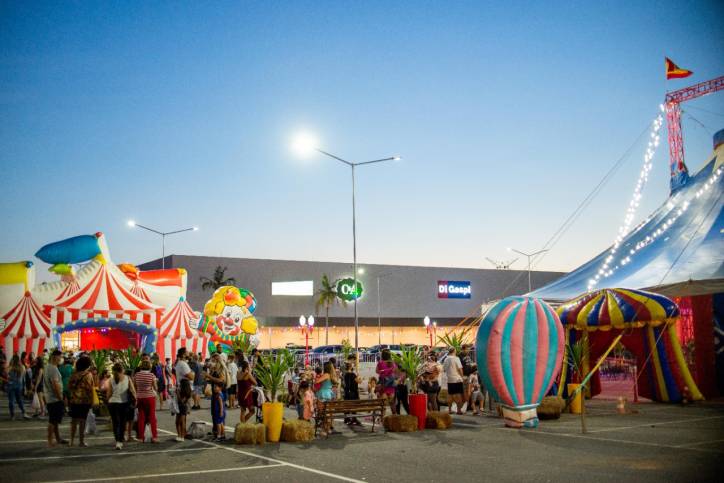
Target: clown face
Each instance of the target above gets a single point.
(229, 320)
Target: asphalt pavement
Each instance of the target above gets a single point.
(657, 442)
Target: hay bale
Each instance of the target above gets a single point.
(438, 420)
(248, 433)
(551, 407)
(297, 430)
(397, 423)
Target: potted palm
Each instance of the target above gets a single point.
(576, 355)
(455, 339)
(409, 360)
(271, 375)
(130, 359)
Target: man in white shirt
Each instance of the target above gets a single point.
(454, 372)
(232, 370)
(184, 380)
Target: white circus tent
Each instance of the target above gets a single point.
(178, 329)
(72, 287)
(138, 290)
(103, 296)
(26, 328)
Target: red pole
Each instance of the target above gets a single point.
(306, 348)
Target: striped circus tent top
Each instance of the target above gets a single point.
(176, 323)
(617, 308)
(103, 296)
(26, 319)
(139, 291)
(71, 288)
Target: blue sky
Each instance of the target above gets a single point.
(178, 114)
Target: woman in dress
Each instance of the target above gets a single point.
(245, 383)
(38, 371)
(386, 370)
(81, 387)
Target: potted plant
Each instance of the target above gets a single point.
(271, 374)
(576, 355)
(130, 359)
(409, 360)
(455, 339)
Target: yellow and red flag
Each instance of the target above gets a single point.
(673, 71)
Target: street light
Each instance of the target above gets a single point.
(379, 308)
(431, 328)
(163, 234)
(529, 255)
(307, 326)
(305, 144)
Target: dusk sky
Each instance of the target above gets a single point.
(177, 114)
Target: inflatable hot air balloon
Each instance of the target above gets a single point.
(519, 351)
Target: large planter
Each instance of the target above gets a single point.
(418, 408)
(273, 415)
(575, 406)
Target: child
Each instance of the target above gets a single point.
(351, 391)
(477, 401)
(372, 388)
(217, 377)
(307, 397)
(317, 373)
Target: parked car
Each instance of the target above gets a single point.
(375, 350)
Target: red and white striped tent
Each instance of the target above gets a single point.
(103, 296)
(27, 328)
(176, 332)
(139, 291)
(71, 288)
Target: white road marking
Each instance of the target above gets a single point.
(90, 455)
(700, 442)
(654, 423)
(625, 441)
(178, 473)
(273, 460)
(28, 441)
(27, 428)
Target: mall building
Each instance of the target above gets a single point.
(395, 299)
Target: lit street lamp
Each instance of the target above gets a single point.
(163, 234)
(304, 144)
(529, 255)
(431, 329)
(307, 326)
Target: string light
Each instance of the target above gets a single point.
(676, 209)
(607, 269)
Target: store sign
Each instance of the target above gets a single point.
(346, 289)
(447, 289)
(296, 289)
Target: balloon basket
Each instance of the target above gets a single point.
(520, 418)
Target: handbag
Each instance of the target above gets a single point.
(35, 405)
(96, 400)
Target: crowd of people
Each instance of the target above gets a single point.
(59, 385)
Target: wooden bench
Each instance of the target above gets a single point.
(326, 411)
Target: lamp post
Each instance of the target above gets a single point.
(163, 234)
(304, 144)
(379, 308)
(307, 326)
(530, 256)
(431, 329)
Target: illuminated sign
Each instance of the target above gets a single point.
(297, 289)
(346, 290)
(447, 289)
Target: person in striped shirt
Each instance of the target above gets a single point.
(146, 388)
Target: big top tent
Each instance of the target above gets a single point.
(26, 328)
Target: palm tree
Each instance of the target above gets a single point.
(327, 296)
(217, 280)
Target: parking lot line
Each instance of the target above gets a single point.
(700, 442)
(656, 423)
(625, 441)
(273, 460)
(27, 441)
(90, 455)
(178, 473)
(28, 428)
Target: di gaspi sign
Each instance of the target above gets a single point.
(447, 289)
(346, 289)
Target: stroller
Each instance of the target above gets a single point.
(259, 398)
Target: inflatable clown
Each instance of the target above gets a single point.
(228, 317)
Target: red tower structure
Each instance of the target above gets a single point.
(679, 172)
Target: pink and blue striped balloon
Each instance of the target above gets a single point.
(519, 351)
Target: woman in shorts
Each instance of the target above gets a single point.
(81, 386)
